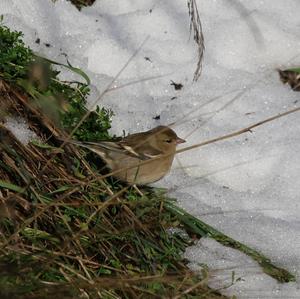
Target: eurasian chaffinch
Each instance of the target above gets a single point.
(158, 144)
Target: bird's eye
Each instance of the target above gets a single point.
(168, 140)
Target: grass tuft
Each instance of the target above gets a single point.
(64, 230)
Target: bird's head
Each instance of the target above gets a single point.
(165, 138)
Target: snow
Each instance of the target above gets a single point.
(247, 187)
(224, 261)
(20, 129)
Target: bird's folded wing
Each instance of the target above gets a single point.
(143, 152)
(102, 146)
(123, 148)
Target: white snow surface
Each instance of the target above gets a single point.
(19, 127)
(248, 186)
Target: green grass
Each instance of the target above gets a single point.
(65, 102)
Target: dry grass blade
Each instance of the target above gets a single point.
(196, 29)
(241, 131)
(105, 90)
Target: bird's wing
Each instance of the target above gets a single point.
(151, 153)
(107, 149)
(132, 145)
(143, 151)
(100, 147)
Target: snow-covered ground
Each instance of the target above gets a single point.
(247, 187)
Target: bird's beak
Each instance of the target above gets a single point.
(179, 140)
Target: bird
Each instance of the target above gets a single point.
(125, 158)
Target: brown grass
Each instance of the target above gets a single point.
(65, 231)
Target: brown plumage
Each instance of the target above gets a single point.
(158, 144)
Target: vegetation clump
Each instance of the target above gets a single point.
(64, 230)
